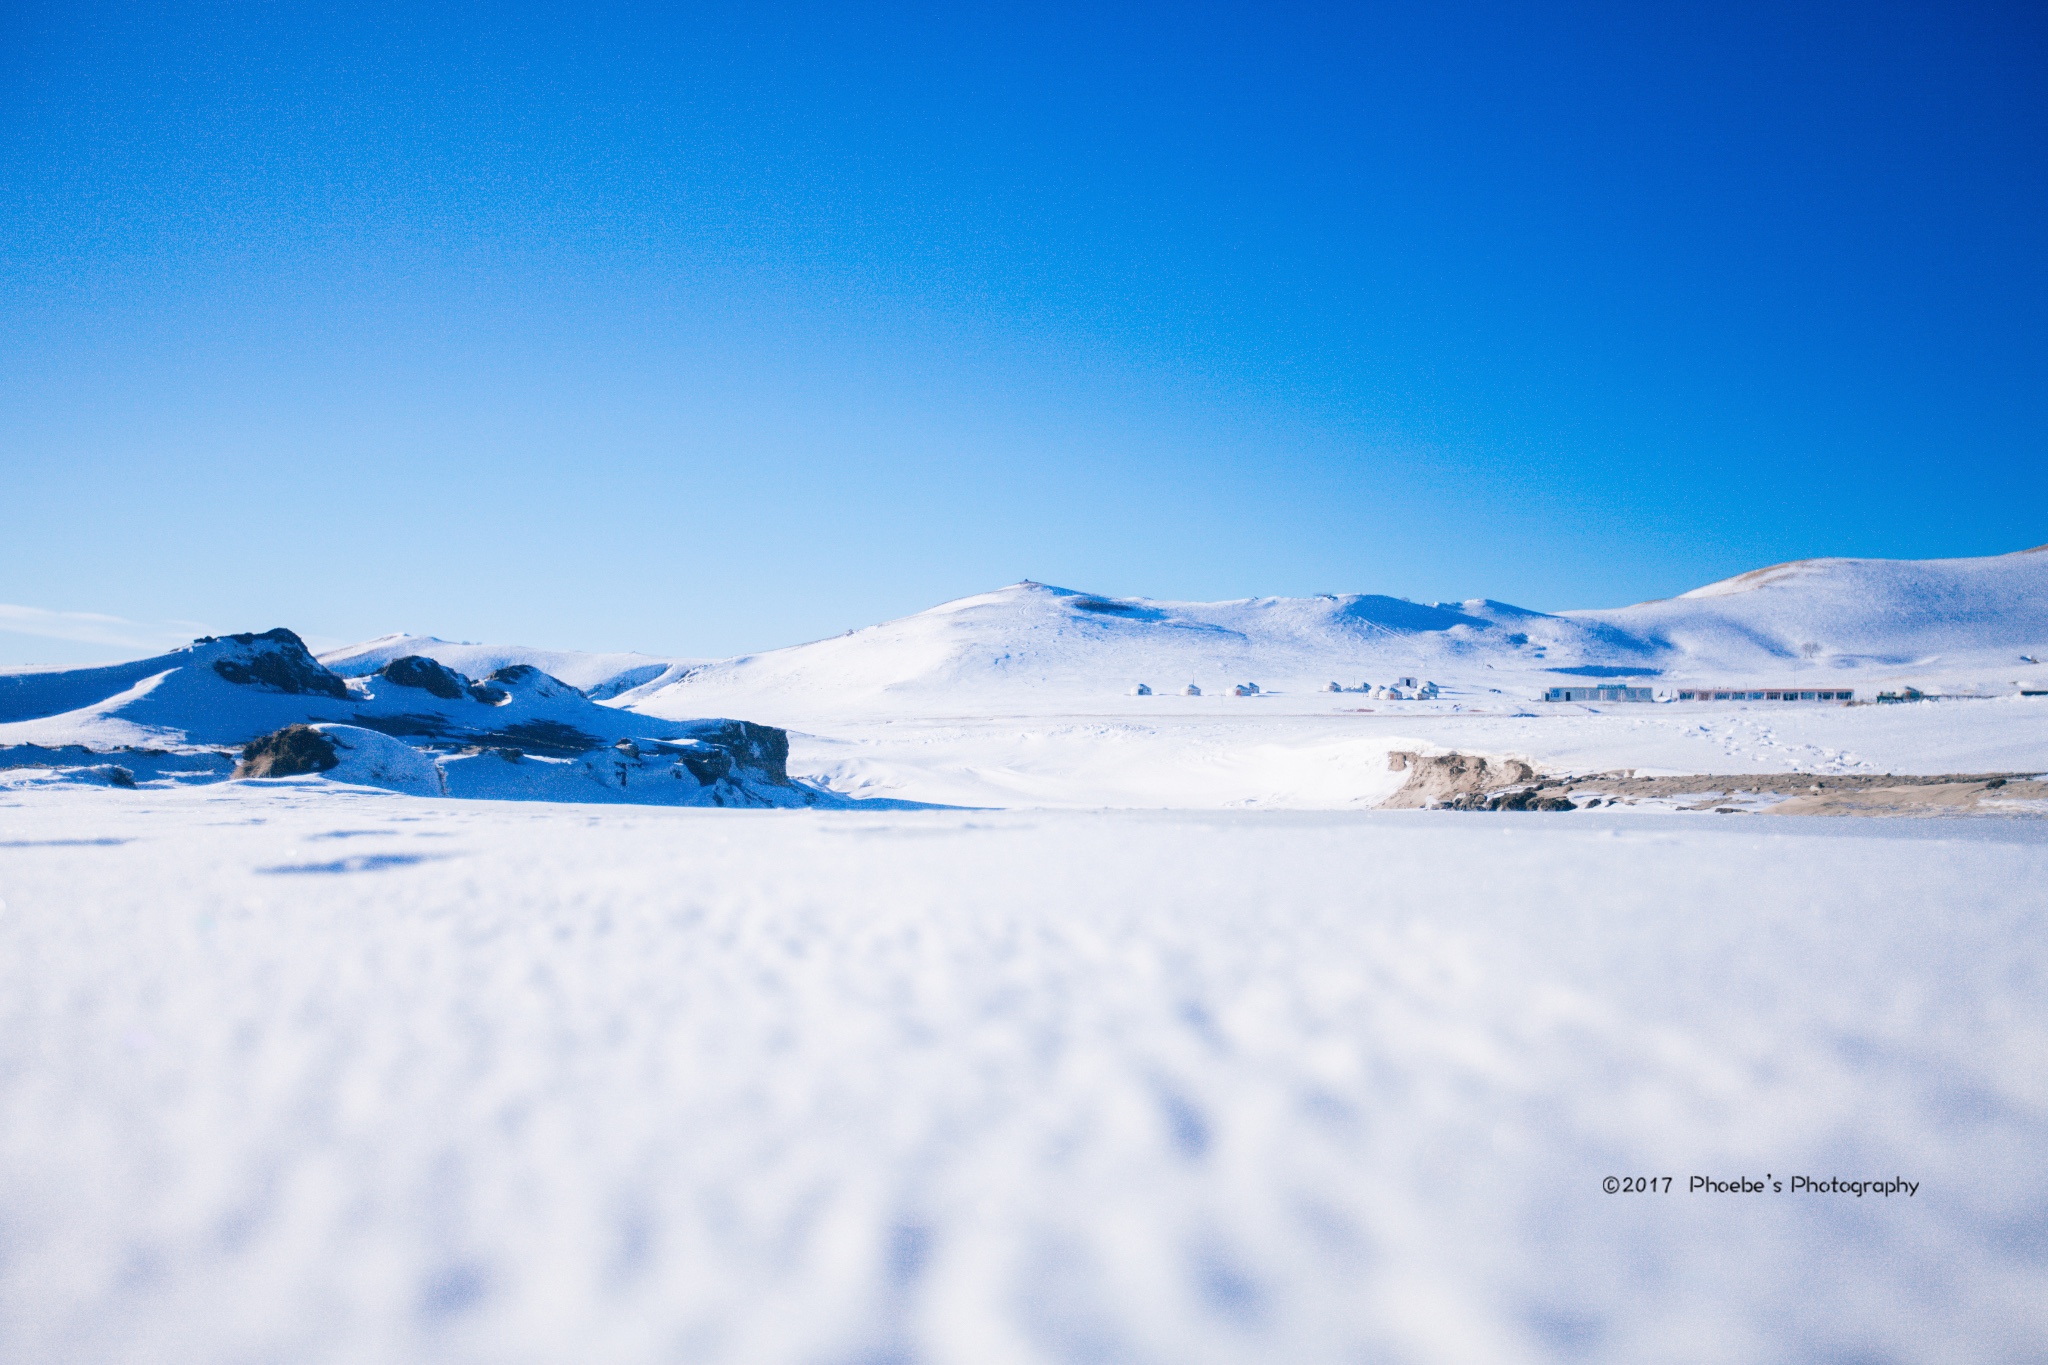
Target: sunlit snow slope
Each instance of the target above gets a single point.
(1861, 623)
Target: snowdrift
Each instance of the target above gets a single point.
(413, 725)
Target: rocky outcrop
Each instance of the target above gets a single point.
(762, 748)
(290, 752)
(437, 679)
(1462, 782)
(277, 660)
(416, 670)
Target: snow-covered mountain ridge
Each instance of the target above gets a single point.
(596, 675)
(1857, 622)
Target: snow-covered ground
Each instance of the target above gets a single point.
(1158, 1043)
(1314, 752)
(302, 1072)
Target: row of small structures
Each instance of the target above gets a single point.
(1620, 693)
(1406, 689)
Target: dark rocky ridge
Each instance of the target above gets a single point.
(429, 675)
(286, 667)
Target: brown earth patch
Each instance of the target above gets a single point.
(1481, 782)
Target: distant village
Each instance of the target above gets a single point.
(1410, 689)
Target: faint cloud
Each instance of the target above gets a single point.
(92, 628)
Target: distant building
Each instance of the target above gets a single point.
(1765, 694)
(1600, 692)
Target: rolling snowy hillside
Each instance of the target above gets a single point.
(1858, 623)
(1884, 616)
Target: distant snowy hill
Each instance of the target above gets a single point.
(1862, 622)
(518, 734)
(597, 676)
(1882, 614)
(1024, 696)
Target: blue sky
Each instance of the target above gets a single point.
(710, 331)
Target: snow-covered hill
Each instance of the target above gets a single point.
(520, 733)
(597, 676)
(1950, 616)
(1021, 696)
(1860, 623)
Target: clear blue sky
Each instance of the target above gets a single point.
(701, 332)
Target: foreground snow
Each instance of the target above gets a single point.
(295, 1072)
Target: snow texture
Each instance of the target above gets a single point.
(297, 1071)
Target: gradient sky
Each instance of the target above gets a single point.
(708, 330)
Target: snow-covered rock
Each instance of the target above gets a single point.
(370, 759)
(598, 676)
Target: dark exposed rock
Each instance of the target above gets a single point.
(288, 752)
(753, 746)
(416, 670)
(706, 764)
(488, 695)
(285, 665)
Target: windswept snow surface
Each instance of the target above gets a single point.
(289, 1072)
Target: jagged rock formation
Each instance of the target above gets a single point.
(285, 666)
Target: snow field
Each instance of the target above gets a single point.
(310, 1073)
(1287, 753)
